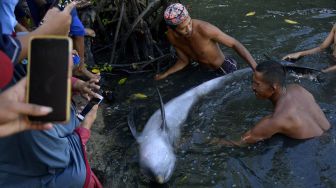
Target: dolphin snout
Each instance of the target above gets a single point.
(160, 179)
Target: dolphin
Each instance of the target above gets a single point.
(162, 131)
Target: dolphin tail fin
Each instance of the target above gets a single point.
(131, 124)
(163, 113)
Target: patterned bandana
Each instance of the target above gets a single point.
(175, 14)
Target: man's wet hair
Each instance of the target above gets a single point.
(273, 72)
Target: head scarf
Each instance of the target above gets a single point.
(175, 14)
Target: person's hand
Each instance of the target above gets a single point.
(292, 56)
(160, 76)
(14, 111)
(87, 89)
(58, 22)
(90, 117)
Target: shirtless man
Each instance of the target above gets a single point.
(296, 114)
(196, 40)
(331, 39)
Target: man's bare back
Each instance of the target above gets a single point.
(299, 115)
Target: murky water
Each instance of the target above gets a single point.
(229, 112)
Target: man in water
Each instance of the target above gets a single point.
(296, 114)
(196, 40)
(326, 43)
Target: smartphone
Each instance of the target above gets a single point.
(89, 105)
(61, 4)
(49, 76)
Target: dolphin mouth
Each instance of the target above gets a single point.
(160, 179)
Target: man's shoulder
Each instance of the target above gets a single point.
(205, 28)
(203, 25)
(297, 89)
(201, 22)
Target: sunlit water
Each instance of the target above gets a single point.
(232, 110)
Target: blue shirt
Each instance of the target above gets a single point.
(51, 158)
(7, 16)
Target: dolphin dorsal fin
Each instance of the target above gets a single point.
(163, 113)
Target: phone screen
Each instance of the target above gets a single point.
(49, 77)
(89, 106)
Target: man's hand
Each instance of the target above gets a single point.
(292, 56)
(90, 117)
(14, 111)
(87, 89)
(160, 76)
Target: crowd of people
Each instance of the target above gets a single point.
(53, 155)
(42, 155)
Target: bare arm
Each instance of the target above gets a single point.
(326, 43)
(264, 129)
(181, 62)
(220, 37)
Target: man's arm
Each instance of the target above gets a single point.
(326, 43)
(181, 62)
(217, 35)
(264, 129)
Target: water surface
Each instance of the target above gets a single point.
(232, 110)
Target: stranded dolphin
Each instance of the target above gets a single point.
(156, 152)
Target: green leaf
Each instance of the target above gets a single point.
(291, 21)
(139, 96)
(122, 81)
(250, 13)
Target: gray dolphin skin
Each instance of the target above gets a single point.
(156, 151)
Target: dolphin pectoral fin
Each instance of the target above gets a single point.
(163, 113)
(131, 124)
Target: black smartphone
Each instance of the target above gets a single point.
(89, 105)
(61, 4)
(49, 76)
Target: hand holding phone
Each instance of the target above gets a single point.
(49, 74)
(14, 109)
(90, 118)
(96, 100)
(57, 22)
